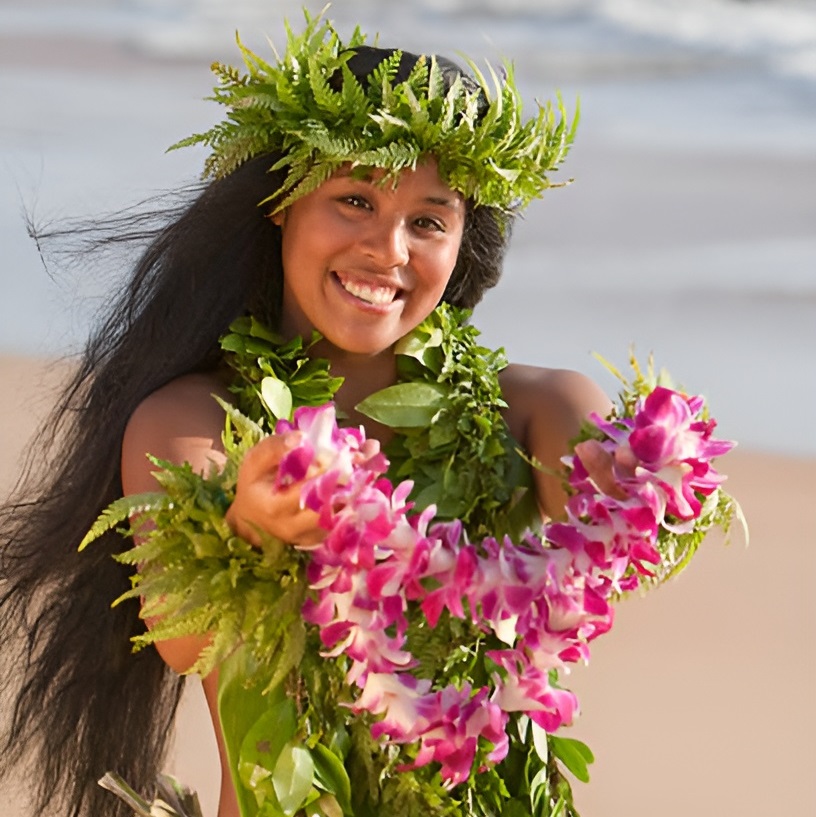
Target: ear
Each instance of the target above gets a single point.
(278, 218)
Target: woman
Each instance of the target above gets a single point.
(358, 242)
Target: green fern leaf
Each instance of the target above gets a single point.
(121, 510)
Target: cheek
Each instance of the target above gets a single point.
(448, 262)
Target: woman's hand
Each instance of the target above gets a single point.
(262, 509)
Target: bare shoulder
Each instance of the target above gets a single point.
(180, 422)
(561, 397)
(545, 410)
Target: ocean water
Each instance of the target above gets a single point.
(689, 230)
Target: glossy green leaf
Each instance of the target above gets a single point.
(293, 777)
(277, 397)
(415, 344)
(239, 708)
(404, 405)
(260, 751)
(574, 754)
(331, 776)
(248, 719)
(540, 793)
(540, 741)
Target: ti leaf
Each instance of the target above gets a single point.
(255, 729)
(331, 776)
(405, 405)
(293, 776)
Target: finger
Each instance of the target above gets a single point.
(265, 456)
(310, 538)
(279, 512)
(305, 530)
(300, 529)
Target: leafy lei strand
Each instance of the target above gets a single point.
(272, 376)
(451, 439)
(289, 745)
(197, 578)
(311, 110)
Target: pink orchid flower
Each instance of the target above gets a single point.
(546, 597)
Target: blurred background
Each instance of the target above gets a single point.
(688, 232)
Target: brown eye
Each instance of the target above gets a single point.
(356, 201)
(427, 223)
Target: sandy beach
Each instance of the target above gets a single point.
(700, 699)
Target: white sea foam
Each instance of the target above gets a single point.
(779, 33)
(782, 34)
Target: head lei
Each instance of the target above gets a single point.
(297, 109)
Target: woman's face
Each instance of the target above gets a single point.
(364, 262)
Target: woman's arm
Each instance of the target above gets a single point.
(545, 410)
(180, 422)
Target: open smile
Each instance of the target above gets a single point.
(375, 294)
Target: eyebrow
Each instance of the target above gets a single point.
(443, 201)
(450, 202)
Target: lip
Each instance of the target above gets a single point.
(366, 292)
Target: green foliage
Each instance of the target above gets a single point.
(573, 754)
(121, 510)
(482, 144)
(241, 707)
(265, 366)
(452, 439)
(639, 385)
(292, 743)
(196, 578)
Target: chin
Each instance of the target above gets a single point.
(366, 346)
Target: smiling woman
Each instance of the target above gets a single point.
(371, 259)
(360, 199)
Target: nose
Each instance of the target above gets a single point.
(387, 243)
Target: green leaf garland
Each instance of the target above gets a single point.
(296, 108)
(291, 742)
(452, 439)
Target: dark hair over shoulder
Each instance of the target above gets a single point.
(82, 703)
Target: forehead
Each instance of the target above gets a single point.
(424, 181)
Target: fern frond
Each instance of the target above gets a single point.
(122, 510)
(483, 148)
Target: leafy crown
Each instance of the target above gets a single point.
(295, 108)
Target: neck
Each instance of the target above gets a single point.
(362, 376)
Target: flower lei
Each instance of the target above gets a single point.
(545, 597)
(438, 687)
(294, 108)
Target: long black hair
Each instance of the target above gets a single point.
(81, 703)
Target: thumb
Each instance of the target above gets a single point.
(599, 464)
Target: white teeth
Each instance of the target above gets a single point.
(369, 294)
